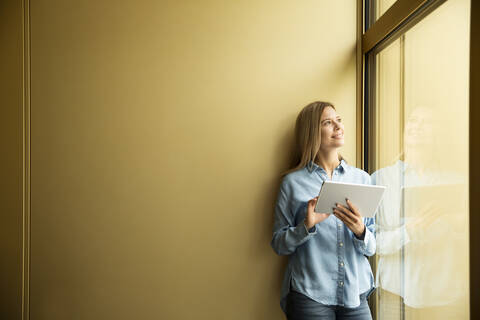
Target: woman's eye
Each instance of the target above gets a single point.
(327, 122)
(339, 119)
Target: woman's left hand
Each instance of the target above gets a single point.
(351, 217)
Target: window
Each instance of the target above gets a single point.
(381, 6)
(417, 109)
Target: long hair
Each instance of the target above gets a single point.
(308, 135)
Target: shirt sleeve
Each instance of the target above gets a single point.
(367, 245)
(286, 235)
(391, 240)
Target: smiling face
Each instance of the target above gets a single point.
(332, 130)
(419, 129)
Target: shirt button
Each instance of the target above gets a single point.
(341, 244)
(341, 264)
(341, 283)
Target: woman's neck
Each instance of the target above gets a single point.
(419, 162)
(328, 161)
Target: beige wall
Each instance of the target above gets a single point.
(158, 133)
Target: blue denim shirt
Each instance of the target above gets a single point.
(328, 264)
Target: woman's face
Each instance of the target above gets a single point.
(332, 130)
(419, 129)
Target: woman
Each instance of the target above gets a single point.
(328, 275)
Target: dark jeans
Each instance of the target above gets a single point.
(301, 307)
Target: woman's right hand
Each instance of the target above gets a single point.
(312, 217)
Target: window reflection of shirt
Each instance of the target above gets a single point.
(431, 255)
(330, 264)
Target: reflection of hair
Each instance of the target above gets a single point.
(307, 135)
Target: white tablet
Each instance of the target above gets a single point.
(365, 197)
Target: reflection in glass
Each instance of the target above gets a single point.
(422, 158)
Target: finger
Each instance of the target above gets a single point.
(311, 205)
(339, 216)
(353, 208)
(346, 211)
(343, 216)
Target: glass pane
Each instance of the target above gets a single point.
(381, 6)
(422, 158)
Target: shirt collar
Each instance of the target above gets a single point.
(312, 166)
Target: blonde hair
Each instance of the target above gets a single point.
(307, 135)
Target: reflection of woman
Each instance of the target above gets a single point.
(423, 212)
(328, 275)
(426, 273)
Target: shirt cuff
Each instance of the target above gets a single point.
(366, 245)
(311, 231)
(391, 240)
(362, 236)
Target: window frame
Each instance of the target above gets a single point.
(374, 35)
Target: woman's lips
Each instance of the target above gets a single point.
(338, 136)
